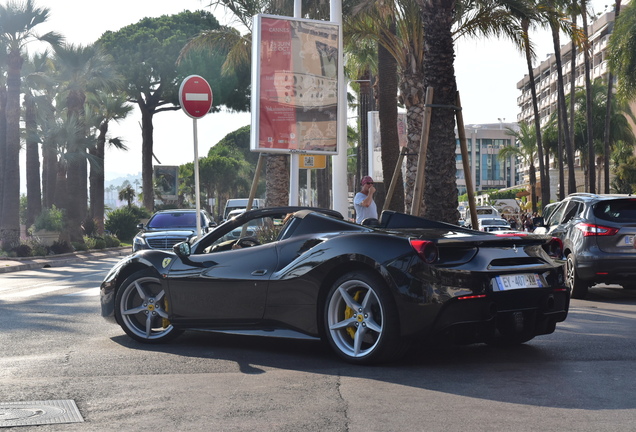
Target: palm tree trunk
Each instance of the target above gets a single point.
(10, 219)
(572, 91)
(364, 106)
(413, 94)
(3, 139)
(591, 157)
(34, 191)
(389, 138)
(440, 192)
(96, 179)
(545, 183)
(569, 146)
(608, 116)
(276, 180)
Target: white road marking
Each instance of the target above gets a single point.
(34, 292)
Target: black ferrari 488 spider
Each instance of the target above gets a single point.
(370, 291)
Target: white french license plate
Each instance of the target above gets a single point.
(629, 240)
(518, 281)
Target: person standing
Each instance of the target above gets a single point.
(363, 201)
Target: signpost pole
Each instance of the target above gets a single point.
(196, 176)
(339, 188)
(294, 170)
(195, 98)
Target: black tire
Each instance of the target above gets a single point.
(361, 320)
(578, 287)
(141, 309)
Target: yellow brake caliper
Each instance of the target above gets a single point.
(165, 322)
(348, 313)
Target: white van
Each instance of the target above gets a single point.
(241, 203)
(487, 212)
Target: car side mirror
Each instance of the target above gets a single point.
(140, 226)
(182, 249)
(538, 222)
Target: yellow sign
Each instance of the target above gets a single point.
(312, 161)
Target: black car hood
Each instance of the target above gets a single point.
(168, 233)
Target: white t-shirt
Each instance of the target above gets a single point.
(363, 212)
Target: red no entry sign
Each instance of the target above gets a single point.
(195, 96)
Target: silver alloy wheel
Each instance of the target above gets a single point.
(142, 309)
(355, 318)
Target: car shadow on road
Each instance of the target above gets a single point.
(561, 370)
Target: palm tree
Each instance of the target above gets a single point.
(17, 28)
(622, 55)
(619, 126)
(608, 114)
(81, 70)
(524, 148)
(127, 193)
(554, 15)
(591, 169)
(37, 106)
(529, 18)
(105, 107)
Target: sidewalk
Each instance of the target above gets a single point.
(18, 264)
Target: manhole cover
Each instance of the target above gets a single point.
(39, 413)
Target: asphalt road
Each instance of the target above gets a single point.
(55, 346)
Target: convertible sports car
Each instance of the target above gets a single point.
(370, 291)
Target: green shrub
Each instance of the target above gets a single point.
(50, 219)
(123, 222)
(61, 247)
(111, 241)
(94, 242)
(90, 227)
(80, 247)
(23, 250)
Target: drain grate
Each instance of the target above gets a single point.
(39, 413)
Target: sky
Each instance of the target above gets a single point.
(487, 74)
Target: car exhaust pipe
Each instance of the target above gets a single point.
(549, 303)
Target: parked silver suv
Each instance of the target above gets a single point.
(598, 233)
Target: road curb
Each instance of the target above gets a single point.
(14, 264)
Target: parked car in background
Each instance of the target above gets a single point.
(598, 233)
(168, 227)
(240, 204)
(370, 292)
(486, 212)
(490, 224)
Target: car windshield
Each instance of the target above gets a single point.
(620, 210)
(173, 220)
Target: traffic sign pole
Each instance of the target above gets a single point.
(195, 97)
(196, 176)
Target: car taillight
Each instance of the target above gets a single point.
(595, 230)
(554, 248)
(427, 250)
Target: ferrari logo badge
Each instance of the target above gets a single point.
(166, 262)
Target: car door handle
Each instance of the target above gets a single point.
(259, 272)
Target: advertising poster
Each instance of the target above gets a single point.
(166, 181)
(295, 86)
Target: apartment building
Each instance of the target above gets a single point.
(545, 75)
(487, 170)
